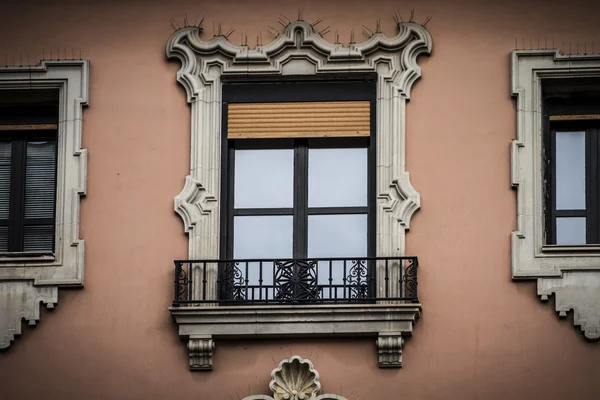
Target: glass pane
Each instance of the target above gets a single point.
(570, 230)
(337, 177)
(336, 236)
(40, 175)
(5, 153)
(38, 237)
(261, 237)
(570, 170)
(264, 178)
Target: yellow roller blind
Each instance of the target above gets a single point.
(301, 119)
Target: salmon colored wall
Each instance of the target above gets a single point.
(481, 335)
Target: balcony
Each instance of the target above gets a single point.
(296, 281)
(274, 298)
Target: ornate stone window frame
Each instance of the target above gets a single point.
(28, 280)
(572, 273)
(298, 50)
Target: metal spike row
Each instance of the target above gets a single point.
(325, 31)
(274, 32)
(229, 32)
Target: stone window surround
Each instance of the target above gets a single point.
(298, 50)
(26, 280)
(571, 273)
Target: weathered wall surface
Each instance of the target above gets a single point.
(481, 335)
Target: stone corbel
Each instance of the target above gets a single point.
(389, 347)
(201, 353)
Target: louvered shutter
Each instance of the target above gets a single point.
(5, 154)
(40, 181)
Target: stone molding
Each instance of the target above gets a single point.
(298, 50)
(37, 277)
(388, 322)
(295, 379)
(572, 275)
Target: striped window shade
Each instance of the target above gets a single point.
(298, 119)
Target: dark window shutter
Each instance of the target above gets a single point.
(40, 177)
(5, 154)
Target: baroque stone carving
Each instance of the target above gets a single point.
(28, 280)
(295, 379)
(298, 50)
(571, 274)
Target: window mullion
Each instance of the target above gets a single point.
(300, 198)
(17, 196)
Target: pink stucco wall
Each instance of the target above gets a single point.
(481, 335)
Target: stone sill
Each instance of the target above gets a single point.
(9, 259)
(387, 322)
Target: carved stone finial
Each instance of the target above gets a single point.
(390, 350)
(295, 379)
(201, 353)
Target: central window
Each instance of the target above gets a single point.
(300, 188)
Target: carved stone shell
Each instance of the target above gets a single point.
(295, 379)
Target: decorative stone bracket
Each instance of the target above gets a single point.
(389, 323)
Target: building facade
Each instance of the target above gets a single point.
(317, 200)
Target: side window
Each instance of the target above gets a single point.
(28, 139)
(572, 126)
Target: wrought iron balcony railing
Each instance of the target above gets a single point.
(296, 281)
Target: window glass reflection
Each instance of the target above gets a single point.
(337, 177)
(265, 237)
(264, 178)
(570, 170)
(336, 236)
(571, 231)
